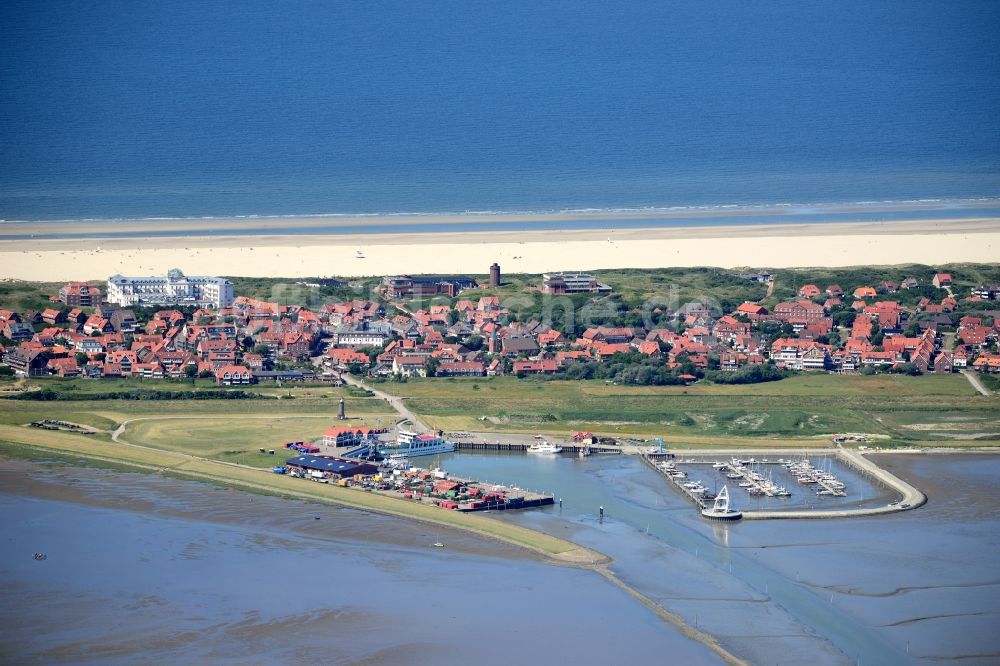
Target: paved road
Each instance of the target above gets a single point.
(395, 402)
(976, 384)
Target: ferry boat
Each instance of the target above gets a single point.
(720, 508)
(410, 444)
(544, 447)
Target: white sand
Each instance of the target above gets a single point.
(767, 246)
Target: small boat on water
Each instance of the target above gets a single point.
(544, 447)
(720, 508)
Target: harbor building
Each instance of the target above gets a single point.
(572, 283)
(173, 289)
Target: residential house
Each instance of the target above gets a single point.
(410, 366)
(546, 366)
(802, 312)
(52, 316)
(987, 362)
(834, 291)
(26, 362)
(809, 291)
(233, 375)
(942, 280)
(517, 345)
(461, 369)
(63, 367)
(16, 331)
(79, 294)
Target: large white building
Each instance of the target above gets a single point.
(572, 283)
(174, 289)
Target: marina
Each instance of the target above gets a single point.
(819, 492)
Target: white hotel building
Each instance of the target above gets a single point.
(174, 289)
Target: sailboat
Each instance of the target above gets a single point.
(720, 508)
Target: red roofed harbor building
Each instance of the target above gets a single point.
(341, 436)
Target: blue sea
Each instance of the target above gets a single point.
(118, 109)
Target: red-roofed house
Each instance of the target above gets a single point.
(804, 312)
(535, 367)
(809, 291)
(461, 369)
(987, 362)
(64, 367)
(231, 375)
(348, 436)
(752, 310)
(941, 280)
(79, 294)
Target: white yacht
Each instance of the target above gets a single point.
(410, 444)
(544, 447)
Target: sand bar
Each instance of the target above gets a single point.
(295, 256)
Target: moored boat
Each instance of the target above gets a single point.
(544, 447)
(410, 444)
(720, 508)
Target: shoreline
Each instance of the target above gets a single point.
(775, 246)
(577, 557)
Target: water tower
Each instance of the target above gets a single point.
(495, 275)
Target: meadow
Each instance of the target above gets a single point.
(805, 409)
(225, 430)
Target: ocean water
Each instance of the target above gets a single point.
(178, 109)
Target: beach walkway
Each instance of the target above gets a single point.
(976, 384)
(393, 401)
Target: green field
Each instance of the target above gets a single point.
(226, 430)
(799, 409)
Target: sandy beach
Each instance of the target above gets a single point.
(50, 257)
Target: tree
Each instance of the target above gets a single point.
(191, 371)
(81, 358)
(431, 365)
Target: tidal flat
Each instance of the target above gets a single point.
(143, 568)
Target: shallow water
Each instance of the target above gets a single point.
(162, 571)
(915, 586)
(209, 574)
